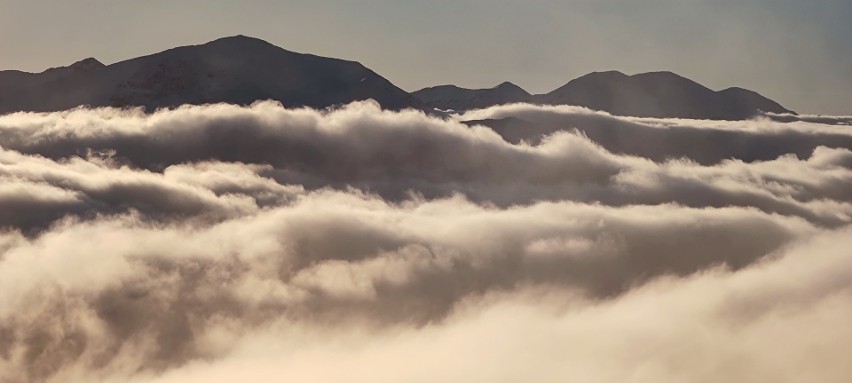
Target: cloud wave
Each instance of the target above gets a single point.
(214, 243)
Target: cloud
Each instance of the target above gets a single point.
(783, 320)
(395, 154)
(706, 142)
(197, 243)
(120, 285)
(819, 119)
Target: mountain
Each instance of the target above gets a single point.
(655, 94)
(446, 97)
(237, 70)
(242, 70)
(658, 94)
(743, 101)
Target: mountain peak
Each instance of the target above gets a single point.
(506, 84)
(89, 62)
(240, 41)
(658, 73)
(237, 69)
(241, 69)
(447, 97)
(239, 38)
(658, 94)
(594, 79)
(85, 65)
(605, 74)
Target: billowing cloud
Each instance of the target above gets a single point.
(780, 321)
(819, 119)
(706, 142)
(395, 154)
(214, 242)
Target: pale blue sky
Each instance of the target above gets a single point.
(797, 52)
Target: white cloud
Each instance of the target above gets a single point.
(210, 242)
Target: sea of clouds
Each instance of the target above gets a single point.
(222, 243)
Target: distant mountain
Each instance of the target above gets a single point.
(655, 94)
(242, 70)
(659, 94)
(744, 102)
(237, 70)
(446, 97)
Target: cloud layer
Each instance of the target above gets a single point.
(210, 243)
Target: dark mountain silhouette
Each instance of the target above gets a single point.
(446, 97)
(237, 70)
(655, 94)
(242, 70)
(744, 101)
(658, 94)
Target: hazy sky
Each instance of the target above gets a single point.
(796, 52)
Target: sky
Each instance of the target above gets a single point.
(798, 53)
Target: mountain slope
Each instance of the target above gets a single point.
(452, 97)
(743, 101)
(241, 70)
(655, 94)
(658, 94)
(237, 70)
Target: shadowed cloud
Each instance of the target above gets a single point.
(192, 244)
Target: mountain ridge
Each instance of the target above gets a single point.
(451, 97)
(650, 94)
(241, 70)
(236, 69)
